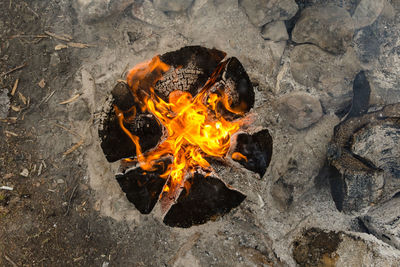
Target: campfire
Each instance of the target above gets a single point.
(175, 117)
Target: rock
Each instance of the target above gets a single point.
(208, 25)
(261, 12)
(282, 194)
(367, 12)
(329, 27)
(298, 166)
(383, 221)
(275, 31)
(95, 10)
(146, 12)
(4, 103)
(331, 75)
(318, 247)
(25, 172)
(300, 110)
(364, 153)
(172, 5)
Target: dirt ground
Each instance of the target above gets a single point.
(58, 65)
(48, 219)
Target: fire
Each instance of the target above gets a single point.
(195, 128)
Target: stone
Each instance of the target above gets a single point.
(282, 194)
(25, 172)
(4, 103)
(383, 221)
(331, 75)
(146, 12)
(275, 31)
(367, 12)
(319, 247)
(208, 25)
(261, 12)
(172, 5)
(364, 154)
(300, 110)
(316, 247)
(329, 27)
(92, 11)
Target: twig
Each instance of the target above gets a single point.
(45, 99)
(70, 200)
(73, 148)
(10, 261)
(68, 130)
(8, 188)
(10, 133)
(72, 99)
(28, 36)
(14, 87)
(12, 70)
(63, 37)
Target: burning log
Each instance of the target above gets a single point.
(115, 143)
(207, 197)
(174, 114)
(143, 188)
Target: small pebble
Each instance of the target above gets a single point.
(25, 173)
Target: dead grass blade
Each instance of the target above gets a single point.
(79, 45)
(60, 46)
(68, 130)
(22, 97)
(63, 37)
(14, 87)
(72, 99)
(8, 133)
(74, 147)
(12, 70)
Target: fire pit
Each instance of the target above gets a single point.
(174, 116)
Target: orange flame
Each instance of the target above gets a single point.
(194, 126)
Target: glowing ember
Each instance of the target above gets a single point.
(195, 127)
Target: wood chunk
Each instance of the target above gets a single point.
(257, 148)
(116, 144)
(208, 197)
(142, 188)
(190, 68)
(363, 156)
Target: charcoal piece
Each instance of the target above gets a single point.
(383, 221)
(208, 197)
(143, 188)
(231, 79)
(190, 68)
(364, 154)
(115, 142)
(239, 87)
(361, 94)
(257, 148)
(123, 97)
